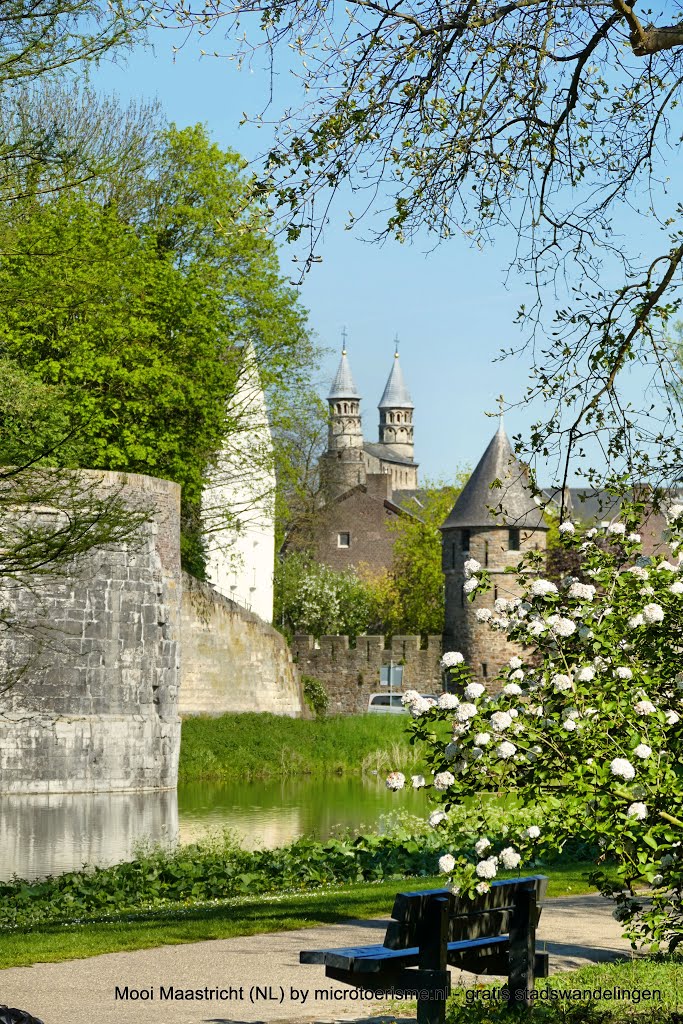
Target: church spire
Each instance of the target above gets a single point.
(343, 463)
(396, 412)
(343, 385)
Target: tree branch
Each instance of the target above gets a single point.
(646, 41)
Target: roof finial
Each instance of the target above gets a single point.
(396, 343)
(343, 333)
(501, 406)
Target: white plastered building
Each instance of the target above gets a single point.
(238, 502)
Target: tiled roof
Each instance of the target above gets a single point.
(386, 453)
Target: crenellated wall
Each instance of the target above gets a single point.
(351, 673)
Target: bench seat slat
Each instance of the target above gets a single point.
(369, 959)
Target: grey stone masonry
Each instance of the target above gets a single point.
(91, 702)
(351, 673)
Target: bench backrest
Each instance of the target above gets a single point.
(486, 915)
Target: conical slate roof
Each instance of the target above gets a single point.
(514, 496)
(396, 394)
(342, 385)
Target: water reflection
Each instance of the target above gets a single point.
(42, 835)
(51, 833)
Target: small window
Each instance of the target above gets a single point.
(454, 555)
(513, 540)
(343, 540)
(486, 553)
(465, 540)
(495, 593)
(484, 670)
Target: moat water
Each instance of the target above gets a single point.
(46, 835)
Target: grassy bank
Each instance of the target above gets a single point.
(262, 746)
(195, 920)
(648, 991)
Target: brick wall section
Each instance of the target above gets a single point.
(367, 516)
(485, 650)
(351, 674)
(232, 659)
(97, 705)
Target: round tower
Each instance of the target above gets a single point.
(473, 530)
(396, 414)
(343, 465)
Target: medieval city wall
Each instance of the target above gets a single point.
(92, 680)
(231, 659)
(351, 673)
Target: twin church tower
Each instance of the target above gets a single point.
(349, 459)
(367, 485)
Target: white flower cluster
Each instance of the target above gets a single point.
(567, 528)
(396, 780)
(560, 626)
(487, 868)
(446, 864)
(448, 701)
(442, 780)
(653, 613)
(472, 567)
(542, 588)
(622, 768)
(451, 659)
(582, 591)
(500, 721)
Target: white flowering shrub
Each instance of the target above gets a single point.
(584, 731)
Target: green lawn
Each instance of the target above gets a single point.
(261, 746)
(646, 990)
(244, 915)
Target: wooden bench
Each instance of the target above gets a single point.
(432, 929)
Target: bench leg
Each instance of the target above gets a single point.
(433, 956)
(431, 1011)
(522, 949)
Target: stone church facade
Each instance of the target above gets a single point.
(367, 485)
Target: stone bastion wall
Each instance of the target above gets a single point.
(232, 659)
(351, 673)
(92, 675)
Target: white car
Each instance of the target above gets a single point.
(390, 703)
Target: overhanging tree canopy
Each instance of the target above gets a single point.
(555, 118)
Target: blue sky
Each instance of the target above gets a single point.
(451, 308)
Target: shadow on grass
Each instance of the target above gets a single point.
(337, 909)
